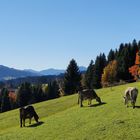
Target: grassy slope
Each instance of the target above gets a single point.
(64, 119)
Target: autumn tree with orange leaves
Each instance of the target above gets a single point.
(135, 69)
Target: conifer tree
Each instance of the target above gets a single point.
(24, 94)
(72, 78)
(5, 103)
(37, 93)
(53, 90)
(100, 63)
(134, 49)
(89, 76)
(111, 56)
(124, 60)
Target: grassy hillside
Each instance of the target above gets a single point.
(63, 119)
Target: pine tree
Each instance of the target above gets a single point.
(111, 56)
(100, 63)
(72, 78)
(53, 90)
(134, 49)
(139, 46)
(5, 103)
(120, 49)
(124, 61)
(89, 75)
(37, 93)
(24, 94)
(116, 54)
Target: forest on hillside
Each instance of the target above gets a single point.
(120, 66)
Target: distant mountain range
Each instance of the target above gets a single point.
(7, 73)
(50, 71)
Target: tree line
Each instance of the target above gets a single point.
(27, 94)
(105, 71)
(112, 68)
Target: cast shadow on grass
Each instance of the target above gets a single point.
(95, 105)
(137, 106)
(36, 124)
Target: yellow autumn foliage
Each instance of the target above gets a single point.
(109, 74)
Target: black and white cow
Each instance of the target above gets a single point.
(130, 94)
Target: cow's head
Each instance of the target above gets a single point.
(125, 100)
(98, 99)
(36, 117)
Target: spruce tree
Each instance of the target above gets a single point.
(5, 103)
(53, 90)
(134, 49)
(124, 64)
(37, 93)
(24, 94)
(100, 63)
(111, 56)
(139, 46)
(120, 49)
(72, 78)
(89, 76)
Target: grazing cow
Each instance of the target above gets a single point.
(27, 112)
(87, 94)
(130, 94)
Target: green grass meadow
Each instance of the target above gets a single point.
(63, 119)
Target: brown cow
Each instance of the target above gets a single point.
(88, 94)
(27, 112)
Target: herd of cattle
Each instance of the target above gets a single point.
(130, 95)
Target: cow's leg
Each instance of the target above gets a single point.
(24, 122)
(20, 115)
(127, 104)
(89, 102)
(133, 104)
(81, 105)
(30, 120)
(78, 99)
(20, 121)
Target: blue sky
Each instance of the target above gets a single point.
(40, 34)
